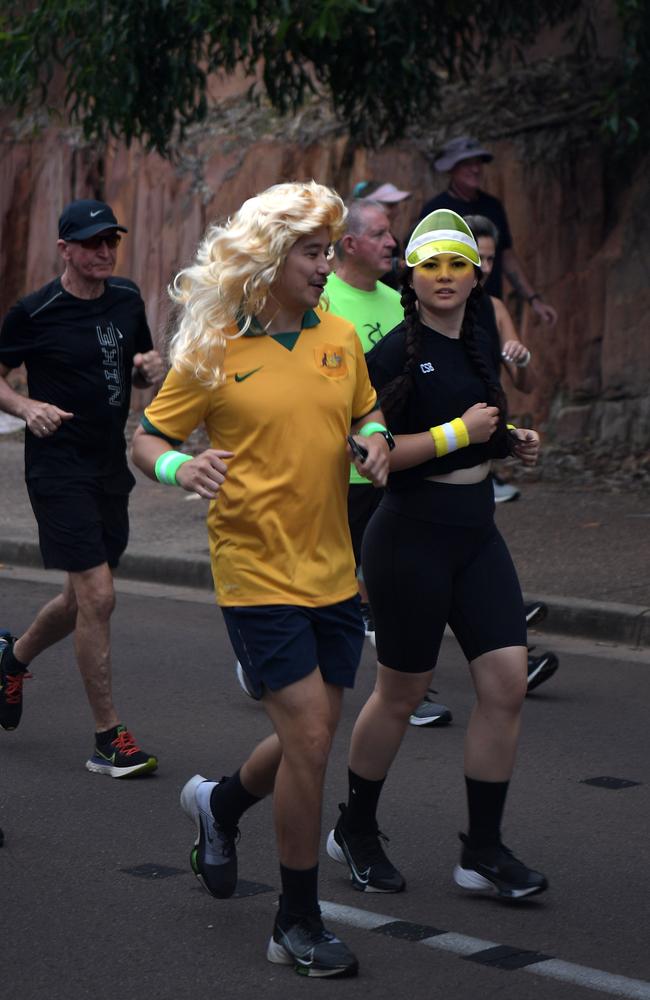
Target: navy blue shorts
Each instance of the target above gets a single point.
(79, 525)
(279, 644)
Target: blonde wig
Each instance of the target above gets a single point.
(235, 266)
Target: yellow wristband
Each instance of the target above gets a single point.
(461, 432)
(439, 439)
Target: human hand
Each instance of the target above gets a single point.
(481, 422)
(43, 419)
(544, 311)
(149, 366)
(515, 352)
(527, 446)
(205, 474)
(375, 466)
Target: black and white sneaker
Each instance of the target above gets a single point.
(540, 668)
(370, 869)
(368, 623)
(430, 713)
(496, 870)
(214, 855)
(535, 613)
(311, 949)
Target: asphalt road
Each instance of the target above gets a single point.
(98, 901)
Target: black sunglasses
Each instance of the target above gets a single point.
(94, 242)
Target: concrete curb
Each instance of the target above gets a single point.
(607, 621)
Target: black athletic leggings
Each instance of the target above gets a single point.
(432, 555)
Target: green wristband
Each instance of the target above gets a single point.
(371, 428)
(167, 466)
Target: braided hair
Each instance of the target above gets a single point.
(393, 396)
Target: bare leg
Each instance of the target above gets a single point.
(95, 598)
(257, 775)
(298, 794)
(54, 622)
(493, 732)
(383, 720)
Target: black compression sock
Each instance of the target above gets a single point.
(11, 663)
(106, 736)
(485, 802)
(363, 799)
(299, 895)
(229, 800)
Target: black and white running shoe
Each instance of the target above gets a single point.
(214, 855)
(496, 870)
(368, 623)
(430, 713)
(540, 668)
(535, 613)
(370, 869)
(311, 949)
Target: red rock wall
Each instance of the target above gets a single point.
(575, 244)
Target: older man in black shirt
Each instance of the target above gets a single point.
(84, 340)
(463, 158)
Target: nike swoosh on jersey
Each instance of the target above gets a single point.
(241, 378)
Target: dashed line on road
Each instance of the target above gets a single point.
(490, 953)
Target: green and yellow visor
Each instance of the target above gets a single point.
(442, 231)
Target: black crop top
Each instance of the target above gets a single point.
(445, 385)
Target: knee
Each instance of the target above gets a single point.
(312, 748)
(96, 602)
(400, 705)
(506, 695)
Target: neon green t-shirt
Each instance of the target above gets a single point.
(373, 315)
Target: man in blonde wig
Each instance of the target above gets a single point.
(279, 383)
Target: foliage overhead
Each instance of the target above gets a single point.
(138, 69)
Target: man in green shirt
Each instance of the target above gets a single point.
(363, 255)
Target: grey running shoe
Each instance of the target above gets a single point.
(430, 713)
(504, 491)
(370, 869)
(311, 949)
(121, 758)
(540, 668)
(496, 870)
(214, 856)
(245, 683)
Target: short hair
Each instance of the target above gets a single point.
(356, 222)
(235, 266)
(482, 226)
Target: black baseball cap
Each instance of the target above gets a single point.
(86, 217)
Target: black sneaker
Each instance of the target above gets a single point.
(121, 758)
(368, 623)
(11, 687)
(540, 668)
(430, 713)
(370, 869)
(214, 855)
(535, 613)
(311, 949)
(496, 869)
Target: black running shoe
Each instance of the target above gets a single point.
(430, 713)
(214, 855)
(540, 668)
(11, 687)
(496, 869)
(535, 613)
(121, 758)
(370, 869)
(311, 949)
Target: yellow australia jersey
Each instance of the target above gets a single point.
(278, 529)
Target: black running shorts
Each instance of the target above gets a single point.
(79, 525)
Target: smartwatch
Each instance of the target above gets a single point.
(374, 428)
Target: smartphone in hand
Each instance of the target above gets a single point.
(357, 450)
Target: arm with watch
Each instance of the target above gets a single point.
(369, 446)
